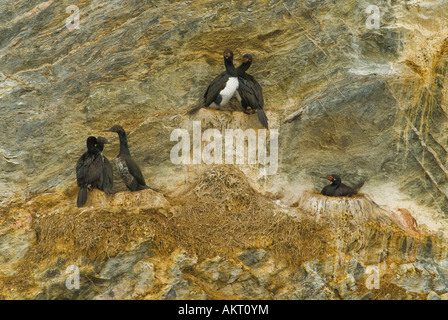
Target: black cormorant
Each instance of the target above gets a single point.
(249, 92)
(129, 170)
(108, 173)
(89, 169)
(338, 189)
(222, 88)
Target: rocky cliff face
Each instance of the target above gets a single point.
(369, 104)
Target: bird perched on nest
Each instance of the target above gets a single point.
(89, 170)
(249, 92)
(128, 169)
(338, 189)
(235, 82)
(222, 88)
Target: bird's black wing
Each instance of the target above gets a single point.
(328, 190)
(215, 88)
(94, 175)
(82, 167)
(135, 171)
(108, 176)
(344, 191)
(252, 96)
(247, 94)
(258, 90)
(212, 92)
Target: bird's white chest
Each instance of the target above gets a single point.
(123, 170)
(229, 90)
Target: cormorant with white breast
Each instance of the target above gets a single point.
(249, 91)
(108, 173)
(129, 170)
(222, 88)
(89, 169)
(338, 189)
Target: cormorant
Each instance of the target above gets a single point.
(338, 189)
(129, 170)
(249, 92)
(89, 169)
(108, 173)
(222, 88)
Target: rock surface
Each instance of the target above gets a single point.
(368, 104)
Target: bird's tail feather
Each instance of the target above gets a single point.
(148, 187)
(358, 186)
(108, 191)
(133, 185)
(195, 109)
(262, 117)
(82, 197)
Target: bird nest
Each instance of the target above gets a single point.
(220, 215)
(358, 210)
(223, 213)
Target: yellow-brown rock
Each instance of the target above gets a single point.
(368, 104)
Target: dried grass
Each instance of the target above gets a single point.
(221, 215)
(92, 234)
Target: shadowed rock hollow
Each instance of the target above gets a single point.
(369, 104)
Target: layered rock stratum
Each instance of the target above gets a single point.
(367, 103)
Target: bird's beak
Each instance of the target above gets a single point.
(324, 178)
(107, 142)
(108, 130)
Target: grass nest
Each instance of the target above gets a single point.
(92, 234)
(221, 215)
